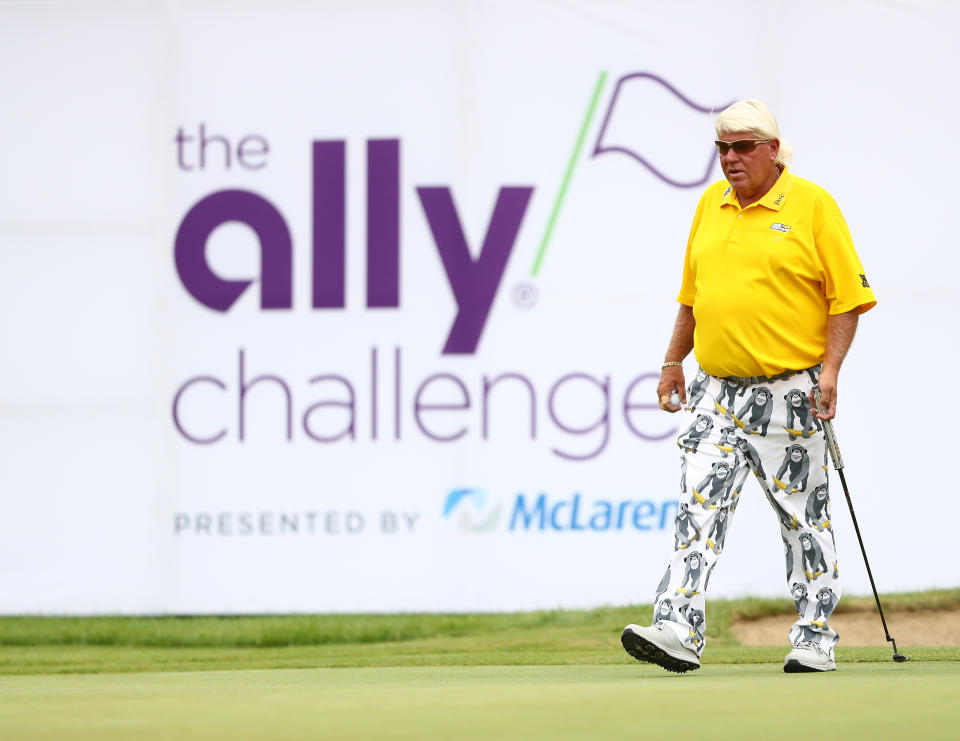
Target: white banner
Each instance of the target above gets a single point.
(361, 306)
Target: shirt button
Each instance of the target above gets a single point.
(736, 231)
(739, 216)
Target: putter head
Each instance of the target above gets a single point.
(897, 656)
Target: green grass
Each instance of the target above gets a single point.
(552, 674)
(741, 701)
(32, 645)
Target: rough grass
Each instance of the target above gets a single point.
(266, 631)
(324, 630)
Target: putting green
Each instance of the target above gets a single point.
(878, 700)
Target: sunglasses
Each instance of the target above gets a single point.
(741, 146)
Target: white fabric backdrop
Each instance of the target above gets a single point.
(108, 508)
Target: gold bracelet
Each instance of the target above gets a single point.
(671, 362)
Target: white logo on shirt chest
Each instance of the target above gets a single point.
(780, 227)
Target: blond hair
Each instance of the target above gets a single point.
(754, 117)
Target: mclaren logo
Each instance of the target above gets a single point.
(780, 227)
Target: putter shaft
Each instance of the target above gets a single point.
(831, 440)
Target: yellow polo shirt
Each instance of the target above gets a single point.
(762, 279)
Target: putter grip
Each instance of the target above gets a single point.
(829, 434)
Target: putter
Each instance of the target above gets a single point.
(831, 439)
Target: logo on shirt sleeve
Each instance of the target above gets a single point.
(863, 279)
(780, 227)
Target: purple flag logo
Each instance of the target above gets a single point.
(651, 121)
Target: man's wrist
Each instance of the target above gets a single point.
(672, 364)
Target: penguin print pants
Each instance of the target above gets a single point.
(733, 428)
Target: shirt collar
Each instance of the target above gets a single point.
(774, 199)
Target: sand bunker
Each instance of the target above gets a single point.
(921, 628)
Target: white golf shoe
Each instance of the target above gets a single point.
(807, 656)
(659, 645)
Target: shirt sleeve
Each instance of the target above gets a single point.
(688, 280)
(845, 281)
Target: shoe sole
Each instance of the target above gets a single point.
(795, 667)
(643, 650)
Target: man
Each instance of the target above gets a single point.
(771, 292)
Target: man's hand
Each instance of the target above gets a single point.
(671, 379)
(828, 395)
(681, 343)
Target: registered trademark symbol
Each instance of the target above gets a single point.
(525, 295)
